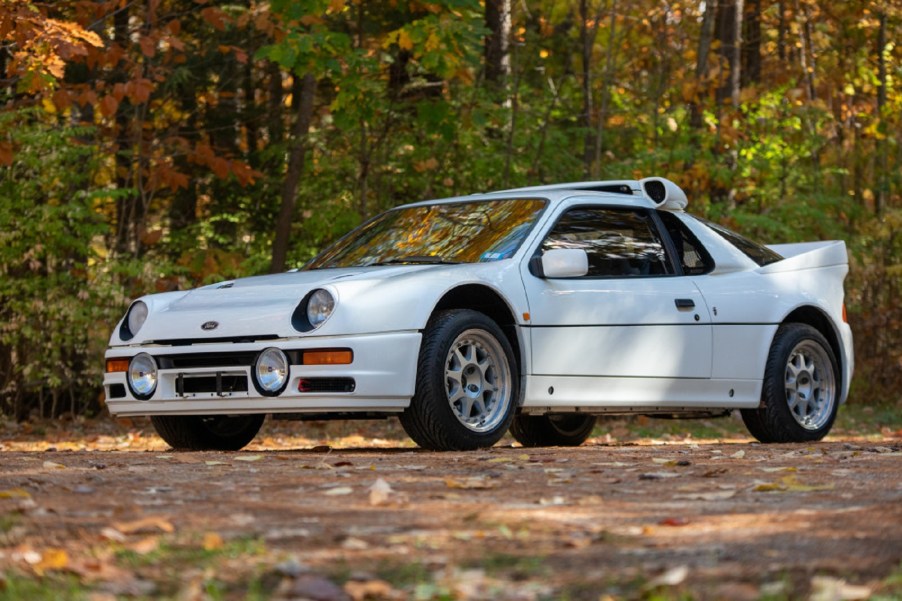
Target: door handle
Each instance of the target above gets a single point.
(684, 303)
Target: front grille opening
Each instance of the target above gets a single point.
(188, 361)
(221, 384)
(326, 385)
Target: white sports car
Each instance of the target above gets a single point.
(534, 310)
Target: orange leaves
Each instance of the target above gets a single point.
(43, 45)
(108, 106)
(223, 167)
(215, 17)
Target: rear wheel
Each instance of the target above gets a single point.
(800, 396)
(562, 430)
(207, 432)
(466, 386)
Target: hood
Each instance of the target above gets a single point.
(261, 306)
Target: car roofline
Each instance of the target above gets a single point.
(651, 192)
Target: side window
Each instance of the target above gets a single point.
(619, 242)
(693, 257)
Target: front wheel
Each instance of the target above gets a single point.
(207, 432)
(562, 430)
(800, 395)
(467, 385)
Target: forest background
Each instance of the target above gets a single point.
(150, 145)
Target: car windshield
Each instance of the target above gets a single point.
(459, 232)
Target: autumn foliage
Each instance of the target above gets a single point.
(147, 146)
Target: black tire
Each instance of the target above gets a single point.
(207, 432)
(800, 367)
(434, 419)
(563, 430)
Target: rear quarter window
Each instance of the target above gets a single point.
(758, 253)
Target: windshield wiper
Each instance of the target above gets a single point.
(415, 260)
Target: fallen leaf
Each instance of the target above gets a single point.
(359, 590)
(50, 465)
(51, 559)
(719, 495)
(674, 522)
(470, 483)
(738, 455)
(671, 577)
(338, 491)
(791, 484)
(825, 588)
(214, 463)
(212, 541)
(146, 545)
(113, 535)
(380, 492)
(248, 457)
(14, 493)
(658, 475)
(145, 525)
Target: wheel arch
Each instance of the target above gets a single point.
(818, 320)
(489, 302)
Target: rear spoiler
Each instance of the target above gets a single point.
(807, 255)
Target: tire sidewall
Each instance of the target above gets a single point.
(435, 394)
(777, 414)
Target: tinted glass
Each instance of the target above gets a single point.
(464, 232)
(758, 253)
(619, 242)
(693, 257)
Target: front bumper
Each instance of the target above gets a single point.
(383, 372)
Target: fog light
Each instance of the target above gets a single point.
(271, 371)
(142, 375)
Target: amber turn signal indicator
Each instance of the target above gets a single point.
(845, 317)
(114, 365)
(327, 357)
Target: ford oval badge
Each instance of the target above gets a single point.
(210, 325)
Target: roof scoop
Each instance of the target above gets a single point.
(666, 194)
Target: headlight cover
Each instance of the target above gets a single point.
(271, 371)
(142, 376)
(134, 319)
(320, 307)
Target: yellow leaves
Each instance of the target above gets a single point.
(14, 493)
(404, 40)
(336, 6)
(791, 483)
(51, 560)
(212, 541)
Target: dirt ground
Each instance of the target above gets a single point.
(113, 514)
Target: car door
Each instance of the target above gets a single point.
(633, 315)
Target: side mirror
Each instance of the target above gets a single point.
(560, 263)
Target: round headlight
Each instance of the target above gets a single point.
(271, 371)
(320, 307)
(142, 375)
(137, 315)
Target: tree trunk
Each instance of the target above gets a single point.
(497, 42)
(275, 125)
(588, 28)
(303, 105)
(701, 63)
(605, 91)
(882, 147)
(125, 204)
(729, 32)
(751, 44)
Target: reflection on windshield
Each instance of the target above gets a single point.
(462, 232)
